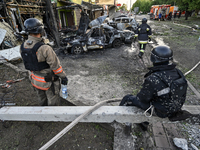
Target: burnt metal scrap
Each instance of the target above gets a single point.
(99, 35)
(124, 23)
(67, 31)
(15, 12)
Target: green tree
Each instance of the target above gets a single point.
(144, 5)
(188, 6)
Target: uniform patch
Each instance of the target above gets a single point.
(163, 91)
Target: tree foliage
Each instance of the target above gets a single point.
(184, 5)
(144, 5)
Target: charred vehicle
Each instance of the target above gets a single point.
(124, 23)
(96, 38)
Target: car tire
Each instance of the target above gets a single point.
(116, 43)
(77, 49)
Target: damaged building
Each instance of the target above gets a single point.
(56, 15)
(64, 20)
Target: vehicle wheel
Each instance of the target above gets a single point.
(116, 43)
(77, 49)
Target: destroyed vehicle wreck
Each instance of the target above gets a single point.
(63, 25)
(97, 38)
(124, 23)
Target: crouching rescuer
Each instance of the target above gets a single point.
(164, 88)
(43, 64)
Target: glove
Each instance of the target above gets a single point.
(149, 39)
(127, 100)
(64, 81)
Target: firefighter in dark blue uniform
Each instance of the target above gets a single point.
(143, 33)
(164, 87)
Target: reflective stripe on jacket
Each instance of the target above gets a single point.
(39, 82)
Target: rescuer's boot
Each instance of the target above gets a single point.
(140, 54)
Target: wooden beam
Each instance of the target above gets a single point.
(26, 12)
(52, 22)
(31, 1)
(3, 17)
(193, 89)
(9, 3)
(104, 114)
(29, 6)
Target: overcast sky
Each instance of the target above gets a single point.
(127, 2)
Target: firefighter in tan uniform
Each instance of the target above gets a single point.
(43, 64)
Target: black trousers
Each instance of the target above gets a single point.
(142, 46)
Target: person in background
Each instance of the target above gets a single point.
(175, 13)
(170, 16)
(143, 33)
(159, 17)
(43, 64)
(179, 15)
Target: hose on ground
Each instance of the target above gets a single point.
(73, 123)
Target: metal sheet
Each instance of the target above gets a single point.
(2, 35)
(11, 54)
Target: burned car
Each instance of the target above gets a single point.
(124, 23)
(98, 37)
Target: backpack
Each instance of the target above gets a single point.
(177, 92)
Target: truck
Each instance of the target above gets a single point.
(157, 9)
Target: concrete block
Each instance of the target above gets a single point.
(157, 131)
(104, 114)
(162, 142)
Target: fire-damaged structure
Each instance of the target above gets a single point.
(15, 12)
(57, 17)
(66, 24)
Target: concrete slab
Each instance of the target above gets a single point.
(158, 131)
(104, 114)
(162, 142)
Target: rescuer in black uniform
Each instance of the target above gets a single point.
(164, 87)
(143, 33)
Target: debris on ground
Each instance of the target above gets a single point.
(181, 143)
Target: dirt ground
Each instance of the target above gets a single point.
(93, 77)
